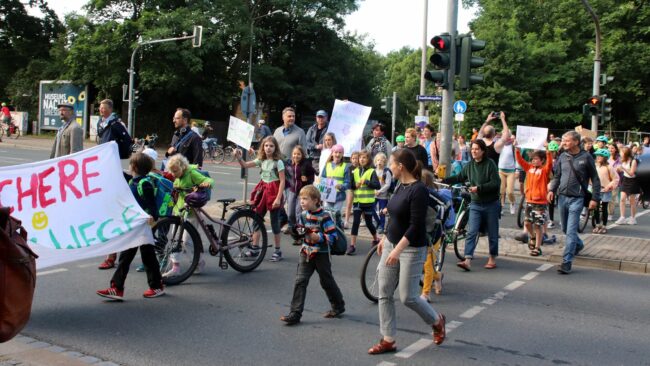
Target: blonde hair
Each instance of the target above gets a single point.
(179, 161)
(380, 156)
(310, 192)
(412, 132)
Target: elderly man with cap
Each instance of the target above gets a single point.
(69, 137)
(379, 143)
(315, 136)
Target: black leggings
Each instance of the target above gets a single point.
(551, 208)
(601, 213)
(356, 220)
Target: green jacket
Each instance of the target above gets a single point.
(190, 179)
(483, 175)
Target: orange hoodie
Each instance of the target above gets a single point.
(536, 178)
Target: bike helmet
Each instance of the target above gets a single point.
(4, 104)
(197, 198)
(400, 138)
(602, 152)
(601, 138)
(553, 146)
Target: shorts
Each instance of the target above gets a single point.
(630, 186)
(536, 214)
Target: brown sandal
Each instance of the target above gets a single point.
(382, 347)
(439, 331)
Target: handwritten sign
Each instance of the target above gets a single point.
(75, 207)
(531, 137)
(347, 123)
(240, 132)
(327, 188)
(324, 155)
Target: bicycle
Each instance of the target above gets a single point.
(212, 151)
(521, 211)
(232, 240)
(141, 143)
(11, 129)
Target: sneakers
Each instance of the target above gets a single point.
(351, 250)
(621, 221)
(200, 267)
(108, 263)
(140, 268)
(334, 313)
(512, 209)
(112, 293)
(610, 218)
(175, 271)
(291, 319)
(564, 268)
(631, 221)
(251, 254)
(277, 256)
(153, 292)
(550, 225)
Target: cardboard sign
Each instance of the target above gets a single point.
(327, 188)
(531, 137)
(240, 132)
(76, 206)
(347, 123)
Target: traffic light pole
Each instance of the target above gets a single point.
(423, 66)
(596, 82)
(394, 118)
(447, 126)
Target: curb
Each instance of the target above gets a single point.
(27, 351)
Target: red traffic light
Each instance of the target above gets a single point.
(593, 101)
(441, 42)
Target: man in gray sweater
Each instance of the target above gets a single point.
(573, 171)
(289, 135)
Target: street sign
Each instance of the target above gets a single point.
(459, 117)
(429, 98)
(246, 106)
(460, 106)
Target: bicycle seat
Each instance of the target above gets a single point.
(226, 200)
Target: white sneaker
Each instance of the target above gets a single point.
(621, 221)
(200, 267)
(175, 271)
(550, 225)
(512, 208)
(610, 218)
(631, 221)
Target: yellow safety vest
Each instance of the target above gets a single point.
(338, 173)
(363, 194)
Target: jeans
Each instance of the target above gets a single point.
(570, 209)
(483, 215)
(407, 272)
(149, 260)
(293, 207)
(321, 263)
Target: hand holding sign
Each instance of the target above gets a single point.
(240, 132)
(531, 137)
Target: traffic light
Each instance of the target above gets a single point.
(387, 104)
(594, 105)
(440, 59)
(605, 109)
(467, 61)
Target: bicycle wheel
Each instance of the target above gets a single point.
(229, 154)
(584, 220)
(16, 133)
(440, 253)
(369, 275)
(520, 212)
(218, 155)
(237, 235)
(459, 233)
(176, 244)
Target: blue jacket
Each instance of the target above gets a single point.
(110, 129)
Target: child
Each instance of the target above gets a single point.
(143, 190)
(400, 142)
(329, 140)
(186, 178)
(364, 182)
(430, 273)
(537, 178)
(385, 180)
(320, 232)
(267, 194)
(299, 173)
(608, 181)
(340, 171)
(354, 162)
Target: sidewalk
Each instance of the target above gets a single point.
(36, 143)
(25, 351)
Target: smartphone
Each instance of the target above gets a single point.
(496, 114)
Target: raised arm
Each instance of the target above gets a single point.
(505, 134)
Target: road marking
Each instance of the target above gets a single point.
(220, 173)
(15, 159)
(500, 295)
(637, 215)
(530, 276)
(489, 301)
(514, 285)
(414, 348)
(45, 273)
(452, 325)
(386, 363)
(472, 312)
(86, 265)
(545, 267)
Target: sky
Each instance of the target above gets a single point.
(388, 25)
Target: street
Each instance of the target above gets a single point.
(522, 313)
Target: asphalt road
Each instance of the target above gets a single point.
(522, 313)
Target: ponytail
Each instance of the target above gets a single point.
(417, 170)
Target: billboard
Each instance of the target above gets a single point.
(51, 93)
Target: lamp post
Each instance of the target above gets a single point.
(595, 90)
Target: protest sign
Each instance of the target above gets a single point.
(75, 207)
(347, 123)
(584, 132)
(421, 121)
(327, 188)
(531, 137)
(240, 132)
(324, 155)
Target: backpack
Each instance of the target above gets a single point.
(122, 138)
(162, 190)
(17, 276)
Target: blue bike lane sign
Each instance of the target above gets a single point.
(460, 107)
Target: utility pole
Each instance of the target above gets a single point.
(423, 66)
(447, 126)
(392, 133)
(596, 80)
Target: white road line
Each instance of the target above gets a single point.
(220, 173)
(45, 273)
(637, 215)
(386, 363)
(500, 295)
(514, 285)
(472, 312)
(545, 267)
(414, 348)
(452, 325)
(86, 265)
(14, 159)
(489, 301)
(530, 276)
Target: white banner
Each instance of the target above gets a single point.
(75, 207)
(327, 188)
(324, 155)
(240, 132)
(531, 137)
(347, 123)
